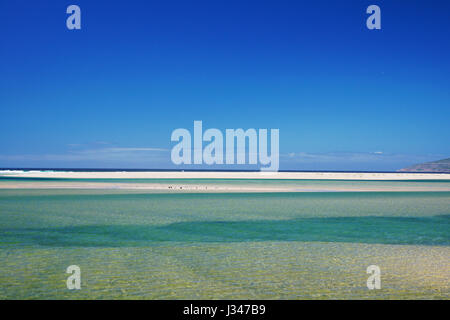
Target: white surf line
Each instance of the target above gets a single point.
(228, 175)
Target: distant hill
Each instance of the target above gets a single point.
(434, 166)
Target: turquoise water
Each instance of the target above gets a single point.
(235, 245)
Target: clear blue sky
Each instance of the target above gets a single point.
(109, 95)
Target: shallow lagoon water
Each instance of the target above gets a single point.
(224, 245)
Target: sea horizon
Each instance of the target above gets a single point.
(26, 169)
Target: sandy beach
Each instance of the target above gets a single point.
(206, 182)
(217, 187)
(227, 175)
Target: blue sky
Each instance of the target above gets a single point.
(109, 95)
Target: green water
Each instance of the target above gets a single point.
(230, 246)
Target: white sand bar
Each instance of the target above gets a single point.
(226, 175)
